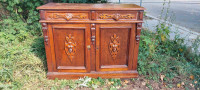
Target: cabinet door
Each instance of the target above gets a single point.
(71, 46)
(114, 47)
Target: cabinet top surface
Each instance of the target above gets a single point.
(75, 6)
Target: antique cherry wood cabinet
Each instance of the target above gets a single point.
(95, 40)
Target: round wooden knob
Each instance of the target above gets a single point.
(68, 16)
(116, 17)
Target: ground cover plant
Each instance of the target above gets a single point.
(162, 63)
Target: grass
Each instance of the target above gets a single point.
(168, 63)
(23, 66)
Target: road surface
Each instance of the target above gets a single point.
(185, 13)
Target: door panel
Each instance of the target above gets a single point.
(70, 45)
(113, 47)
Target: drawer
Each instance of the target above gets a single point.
(68, 15)
(116, 15)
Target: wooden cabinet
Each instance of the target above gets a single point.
(95, 40)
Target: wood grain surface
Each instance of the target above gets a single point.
(95, 40)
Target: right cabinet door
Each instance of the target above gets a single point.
(115, 47)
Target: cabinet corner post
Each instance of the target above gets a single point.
(45, 33)
(138, 31)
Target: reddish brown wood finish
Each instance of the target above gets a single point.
(96, 40)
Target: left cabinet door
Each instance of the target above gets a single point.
(70, 47)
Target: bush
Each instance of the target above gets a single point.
(12, 30)
(166, 57)
(23, 11)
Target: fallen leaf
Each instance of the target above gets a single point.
(191, 85)
(118, 87)
(126, 81)
(192, 77)
(109, 83)
(195, 82)
(178, 85)
(182, 83)
(162, 37)
(164, 84)
(180, 50)
(143, 83)
(162, 77)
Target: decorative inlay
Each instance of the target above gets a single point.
(116, 16)
(114, 46)
(66, 16)
(70, 46)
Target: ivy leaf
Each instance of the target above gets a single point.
(19, 10)
(16, 1)
(29, 21)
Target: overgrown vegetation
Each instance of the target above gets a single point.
(167, 59)
(23, 62)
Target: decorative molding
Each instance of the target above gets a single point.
(114, 46)
(139, 27)
(137, 38)
(70, 46)
(93, 32)
(45, 33)
(42, 15)
(116, 16)
(93, 15)
(140, 15)
(66, 16)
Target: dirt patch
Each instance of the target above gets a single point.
(144, 84)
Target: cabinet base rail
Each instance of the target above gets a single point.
(93, 74)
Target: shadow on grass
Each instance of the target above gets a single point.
(38, 49)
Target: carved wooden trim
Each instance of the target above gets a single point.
(70, 46)
(93, 32)
(66, 16)
(45, 33)
(138, 31)
(93, 15)
(42, 15)
(114, 46)
(116, 16)
(140, 15)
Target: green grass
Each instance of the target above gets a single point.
(23, 66)
(23, 61)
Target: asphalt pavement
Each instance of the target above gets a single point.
(185, 13)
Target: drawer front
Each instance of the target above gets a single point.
(68, 15)
(72, 47)
(116, 15)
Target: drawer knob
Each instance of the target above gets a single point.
(116, 17)
(68, 16)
